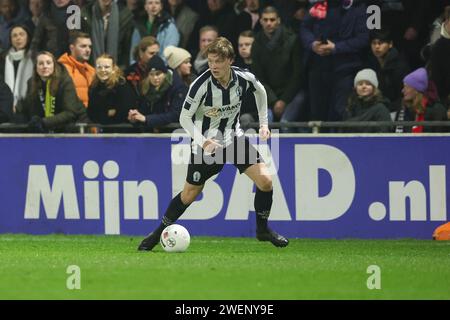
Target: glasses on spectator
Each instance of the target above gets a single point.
(101, 67)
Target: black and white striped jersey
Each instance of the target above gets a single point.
(211, 111)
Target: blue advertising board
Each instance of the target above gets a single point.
(324, 186)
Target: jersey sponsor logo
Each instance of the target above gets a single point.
(238, 91)
(213, 112)
(222, 112)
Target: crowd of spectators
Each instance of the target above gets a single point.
(132, 61)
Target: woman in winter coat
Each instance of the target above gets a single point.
(16, 64)
(110, 95)
(366, 103)
(159, 24)
(162, 96)
(51, 102)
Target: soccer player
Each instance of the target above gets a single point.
(210, 115)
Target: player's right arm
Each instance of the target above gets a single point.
(190, 107)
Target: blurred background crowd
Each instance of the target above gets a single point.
(118, 62)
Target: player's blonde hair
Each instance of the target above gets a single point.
(222, 47)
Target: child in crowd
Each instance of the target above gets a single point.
(367, 103)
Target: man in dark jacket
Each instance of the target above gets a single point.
(334, 43)
(440, 65)
(408, 20)
(391, 67)
(6, 102)
(116, 40)
(217, 13)
(276, 62)
(51, 33)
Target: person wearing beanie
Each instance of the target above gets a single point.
(179, 60)
(417, 80)
(144, 51)
(176, 56)
(367, 75)
(366, 103)
(162, 94)
(156, 64)
(418, 104)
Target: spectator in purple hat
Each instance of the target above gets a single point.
(418, 104)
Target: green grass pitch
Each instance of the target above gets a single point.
(35, 267)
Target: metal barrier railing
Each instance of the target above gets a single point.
(314, 126)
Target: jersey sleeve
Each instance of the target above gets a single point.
(260, 97)
(190, 107)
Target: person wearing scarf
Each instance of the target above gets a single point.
(420, 102)
(51, 102)
(16, 65)
(110, 28)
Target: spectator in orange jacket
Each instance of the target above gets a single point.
(81, 72)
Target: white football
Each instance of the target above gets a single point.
(175, 238)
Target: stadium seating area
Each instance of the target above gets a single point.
(313, 57)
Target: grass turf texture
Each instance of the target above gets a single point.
(34, 267)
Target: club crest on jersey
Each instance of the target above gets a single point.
(196, 176)
(213, 112)
(238, 91)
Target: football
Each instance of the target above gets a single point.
(175, 238)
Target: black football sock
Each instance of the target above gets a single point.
(174, 211)
(263, 204)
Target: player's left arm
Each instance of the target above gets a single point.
(261, 103)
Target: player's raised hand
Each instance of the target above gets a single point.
(210, 146)
(264, 132)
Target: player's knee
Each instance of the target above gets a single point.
(265, 183)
